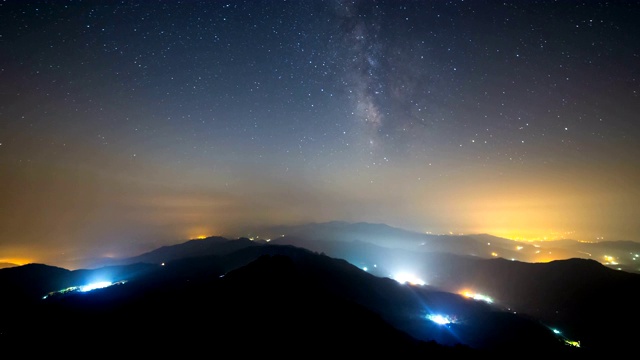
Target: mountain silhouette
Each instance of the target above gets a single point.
(621, 255)
(265, 299)
(270, 293)
(582, 297)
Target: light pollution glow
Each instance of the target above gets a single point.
(161, 219)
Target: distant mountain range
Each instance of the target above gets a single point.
(325, 289)
(619, 255)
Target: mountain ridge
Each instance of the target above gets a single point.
(275, 288)
(561, 293)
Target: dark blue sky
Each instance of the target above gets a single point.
(128, 124)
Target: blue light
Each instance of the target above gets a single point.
(439, 319)
(96, 285)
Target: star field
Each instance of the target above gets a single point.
(129, 124)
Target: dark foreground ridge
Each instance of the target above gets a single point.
(255, 300)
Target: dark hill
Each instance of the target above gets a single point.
(214, 245)
(582, 297)
(560, 294)
(278, 300)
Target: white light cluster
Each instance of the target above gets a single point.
(404, 278)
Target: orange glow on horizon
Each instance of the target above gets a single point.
(517, 208)
(199, 232)
(546, 259)
(531, 235)
(17, 261)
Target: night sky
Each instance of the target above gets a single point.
(127, 125)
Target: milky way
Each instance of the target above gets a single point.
(128, 125)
